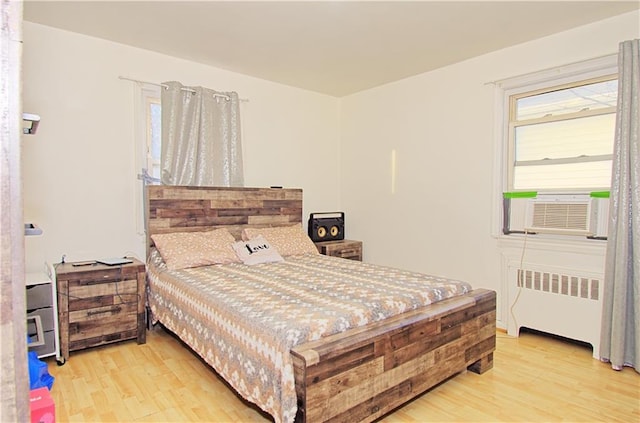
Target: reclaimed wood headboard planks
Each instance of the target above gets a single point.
(183, 209)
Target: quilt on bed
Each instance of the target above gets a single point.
(243, 320)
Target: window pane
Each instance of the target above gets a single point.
(594, 96)
(588, 136)
(155, 142)
(583, 176)
(155, 130)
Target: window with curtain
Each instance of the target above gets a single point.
(201, 136)
(210, 138)
(560, 137)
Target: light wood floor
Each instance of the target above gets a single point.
(535, 378)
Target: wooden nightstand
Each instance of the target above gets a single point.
(344, 248)
(99, 304)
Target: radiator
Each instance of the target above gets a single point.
(562, 302)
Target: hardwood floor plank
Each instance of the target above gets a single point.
(535, 378)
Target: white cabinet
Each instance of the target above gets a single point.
(42, 313)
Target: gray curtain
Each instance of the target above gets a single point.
(201, 144)
(620, 338)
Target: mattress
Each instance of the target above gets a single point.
(244, 320)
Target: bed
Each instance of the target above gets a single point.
(394, 344)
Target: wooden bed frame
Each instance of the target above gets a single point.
(363, 373)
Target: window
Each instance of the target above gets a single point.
(555, 132)
(560, 137)
(154, 125)
(150, 126)
(147, 127)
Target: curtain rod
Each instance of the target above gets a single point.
(552, 68)
(226, 97)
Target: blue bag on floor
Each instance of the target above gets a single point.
(39, 373)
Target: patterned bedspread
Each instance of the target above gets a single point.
(243, 320)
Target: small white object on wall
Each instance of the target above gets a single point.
(34, 122)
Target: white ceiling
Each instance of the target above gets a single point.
(332, 47)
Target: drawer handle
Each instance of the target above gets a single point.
(115, 309)
(103, 280)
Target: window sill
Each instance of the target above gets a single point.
(554, 243)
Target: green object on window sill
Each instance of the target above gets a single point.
(520, 194)
(600, 194)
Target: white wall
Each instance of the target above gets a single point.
(79, 170)
(441, 125)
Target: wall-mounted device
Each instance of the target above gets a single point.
(33, 121)
(32, 229)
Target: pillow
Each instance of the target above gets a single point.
(288, 240)
(256, 251)
(181, 250)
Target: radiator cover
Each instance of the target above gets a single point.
(564, 302)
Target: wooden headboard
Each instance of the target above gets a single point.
(182, 209)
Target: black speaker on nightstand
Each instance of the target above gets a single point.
(326, 226)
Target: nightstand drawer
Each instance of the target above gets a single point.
(345, 248)
(96, 274)
(100, 321)
(349, 253)
(88, 295)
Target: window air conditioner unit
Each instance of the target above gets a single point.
(567, 214)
